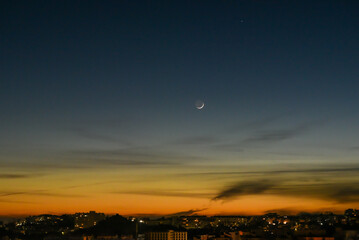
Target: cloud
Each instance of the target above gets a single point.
(120, 162)
(270, 136)
(295, 183)
(275, 172)
(346, 194)
(258, 136)
(334, 192)
(130, 157)
(43, 165)
(283, 211)
(16, 176)
(274, 135)
(82, 159)
(244, 188)
(87, 185)
(5, 194)
(187, 213)
(38, 193)
(168, 193)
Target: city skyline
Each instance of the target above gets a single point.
(210, 107)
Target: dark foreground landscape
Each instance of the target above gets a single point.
(93, 225)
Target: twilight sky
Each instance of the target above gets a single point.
(97, 103)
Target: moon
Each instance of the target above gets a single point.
(199, 104)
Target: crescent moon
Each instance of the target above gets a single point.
(200, 107)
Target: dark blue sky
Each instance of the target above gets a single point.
(75, 57)
(118, 80)
(146, 63)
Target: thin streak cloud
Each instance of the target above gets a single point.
(17, 176)
(168, 193)
(276, 135)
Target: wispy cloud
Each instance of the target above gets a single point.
(87, 185)
(256, 124)
(259, 134)
(120, 162)
(270, 136)
(131, 157)
(6, 194)
(82, 159)
(281, 171)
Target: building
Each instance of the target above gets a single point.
(317, 238)
(170, 235)
(86, 220)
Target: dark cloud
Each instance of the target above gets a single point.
(346, 194)
(244, 188)
(16, 176)
(335, 192)
(187, 213)
(297, 186)
(6, 194)
(283, 211)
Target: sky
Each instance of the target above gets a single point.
(98, 106)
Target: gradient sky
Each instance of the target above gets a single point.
(97, 103)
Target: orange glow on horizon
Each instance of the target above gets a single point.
(154, 205)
